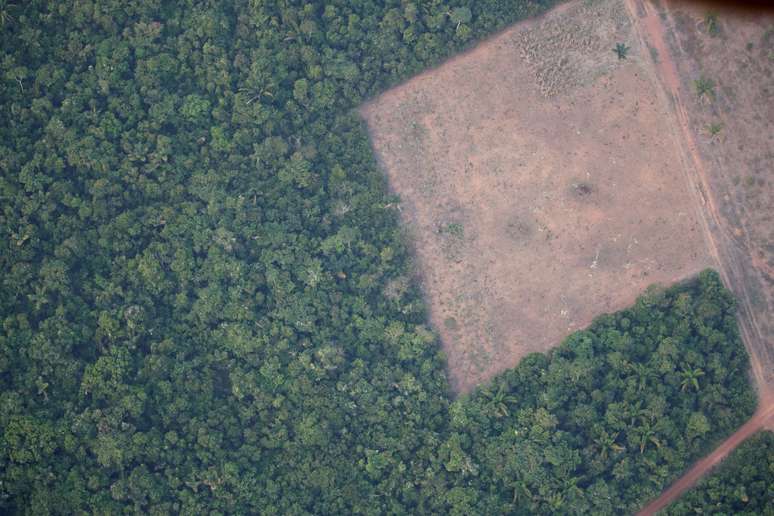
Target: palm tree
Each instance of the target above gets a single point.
(570, 486)
(255, 93)
(621, 50)
(705, 87)
(499, 401)
(691, 378)
(637, 411)
(5, 14)
(606, 445)
(711, 21)
(645, 434)
(521, 491)
(555, 501)
(460, 15)
(643, 373)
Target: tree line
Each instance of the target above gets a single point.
(743, 484)
(206, 302)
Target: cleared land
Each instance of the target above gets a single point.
(542, 182)
(723, 91)
(717, 65)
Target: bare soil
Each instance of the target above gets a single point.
(763, 417)
(729, 134)
(543, 183)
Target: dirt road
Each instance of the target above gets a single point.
(519, 240)
(722, 244)
(761, 418)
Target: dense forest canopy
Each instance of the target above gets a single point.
(743, 484)
(206, 299)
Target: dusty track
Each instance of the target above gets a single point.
(763, 417)
(723, 246)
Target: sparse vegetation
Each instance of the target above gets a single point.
(454, 229)
(453, 239)
(621, 50)
(714, 128)
(712, 24)
(705, 88)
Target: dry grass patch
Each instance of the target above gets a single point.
(541, 182)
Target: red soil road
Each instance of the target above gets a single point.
(649, 25)
(652, 32)
(764, 416)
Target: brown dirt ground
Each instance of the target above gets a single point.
(764, 416)
(542, 182)
(728, 136)
(733, 168)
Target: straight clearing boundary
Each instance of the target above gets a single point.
(651, 32)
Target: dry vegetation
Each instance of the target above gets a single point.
(725, 64)
(541, 182)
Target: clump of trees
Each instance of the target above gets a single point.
(204, 304)
(603, 422)
(742, 484)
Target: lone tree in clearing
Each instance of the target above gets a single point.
(705, 87)
(715, 128)
(621, 50)
(711, 22)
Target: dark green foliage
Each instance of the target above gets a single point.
(604, 421)
(743, 483)
(705, 87)
(205, 301)
(621, 50)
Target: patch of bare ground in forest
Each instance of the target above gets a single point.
(541, 182)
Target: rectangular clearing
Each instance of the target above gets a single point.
(541, 182)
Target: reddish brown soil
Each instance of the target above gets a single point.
(542, 182)
(763, 417)
(731, 170)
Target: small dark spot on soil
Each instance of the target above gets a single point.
(450, 323)
(582, 189)
(519, 229)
